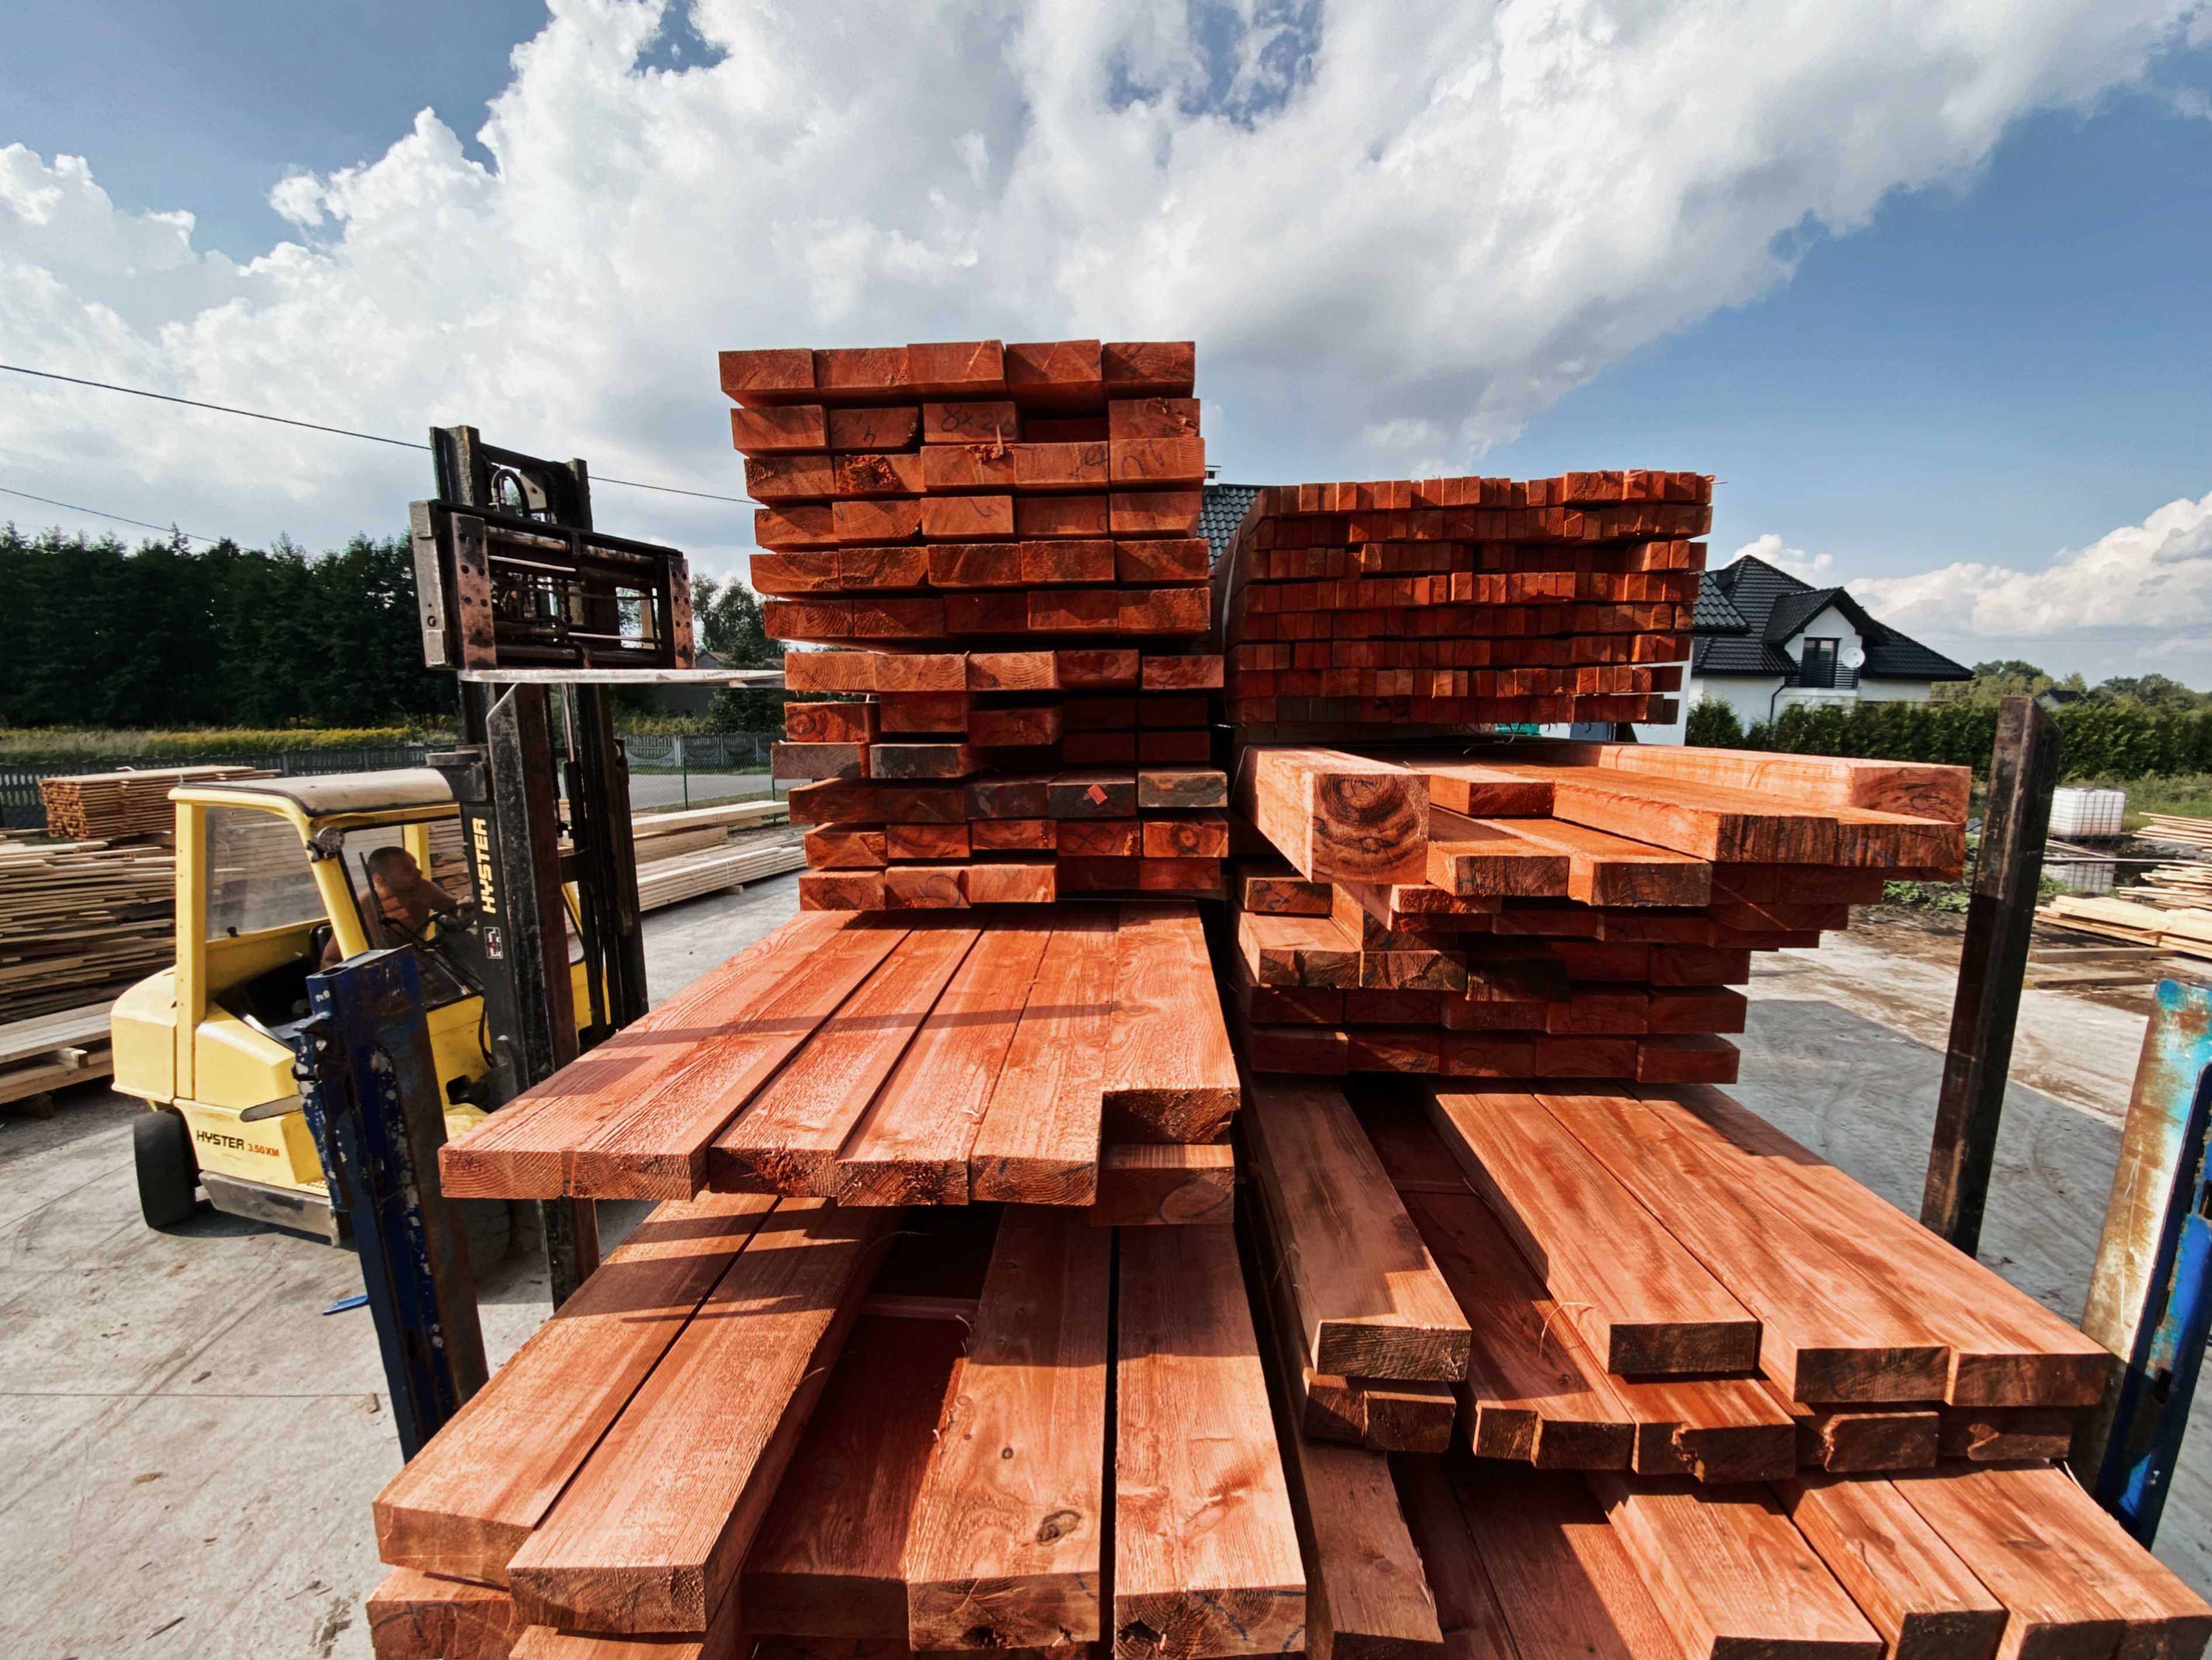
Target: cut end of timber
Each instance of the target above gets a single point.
(1022, 1180)
(1673, 1349)
(1037, 1612)
(635, 1601)
(1201, 1625)
(902, 1181)
(1198, 1114)
(1866, 1375)
(2029, 1379)
(451, 1547)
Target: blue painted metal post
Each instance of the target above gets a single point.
(369, 1089)
(2150, 1300)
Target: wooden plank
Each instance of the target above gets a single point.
(650, 1534)
(1611, 870)
(1996, 1435)
(523, 1145)
(1475, 790)
(1730, 1575)
(413, 1616)
(1467, 1603)
(725, 1642)
(1038, 1141)
(1205, 1551)
(1008, 1527)
(1564, 1586)
(1370, 1301)
(657, 1149)
(2072, 1583)
(1337, 817)
(788, 1138)
(1471, 858)
(1847, 1441)
(1532, 1393)
(1366, 1595)
(1926, 1603)
(1917, 789)
(465, 1504)
(1709, 821)
(1177, 1185)
(912, 1143)
(1645, 1304)
(2006, 1349)
(1714, 1430)
(1171, 1075)
(1828, 1333)
(828, 1560)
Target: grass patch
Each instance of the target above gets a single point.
(119, 748)
(2187, 793)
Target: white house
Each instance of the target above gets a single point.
(1763, 642)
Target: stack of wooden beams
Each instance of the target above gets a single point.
(830, 1429)
(1070, 1056)
(1551, 910)
(79, 921)
(2185, 931)
(1003, 541)
(1450, 602)
(117, 806)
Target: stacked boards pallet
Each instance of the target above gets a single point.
(1548, 910)
(1036, 1056)
(52, 1051)
(1002, 542)
(1454, 602)
(2185, 932)
(666, 881)
(730, 1459)
(124, 806)
(79, 921)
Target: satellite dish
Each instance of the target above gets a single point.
(1856, 657)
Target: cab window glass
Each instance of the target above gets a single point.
(257, 873)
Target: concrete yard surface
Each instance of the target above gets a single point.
(189, 1445)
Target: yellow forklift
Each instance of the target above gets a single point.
(269, 871)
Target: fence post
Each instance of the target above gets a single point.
(2000, 918)
(684, 766)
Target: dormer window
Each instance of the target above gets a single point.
(1816, 663)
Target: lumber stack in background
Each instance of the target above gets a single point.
(125, 804)
(1548, 910)
(1446, 603)
(1002, 542)
(79, 921)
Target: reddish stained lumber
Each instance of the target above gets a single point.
(413, 1616)
(724, 1642)
(1563, 1584)
(2073, 1582)
(1038, 1141)
(649, 1534)
(796, 426)
(1476, 791)
(2006, 1349)
(1010, 882)
(1926, 1603)
(1730, 1575)
(1708, 821)
(1860, 1440)
(1169, 1073)
(787, 1139)
(1611, 870)
(1205, 1551)
(1130, 417)
(775, 375)
(1828, 1331)
(657, 1148)
(828, 1560)
(1337, 817)
(1717, 1429)
(527, 1142)
(1475, 858)
(912, 1143)
(1179, 1186)
(1371, 1300)
(1008, 1527)
(1049, 374)
(1997, 1435)
(467, 1501)
(1163, 368)
(1912, 789)
(1646, 1305)
(1466, 1600)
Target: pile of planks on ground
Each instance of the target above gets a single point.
(52, 1051)
(124, 806)
(684, 855)
(1439, 602)
(1539, 909)
(1003, 539)
(2185, 931)
(836, 1430)
(1070, 1055)
(80, 920)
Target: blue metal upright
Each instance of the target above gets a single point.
(369, 1089)
(2150, 1301)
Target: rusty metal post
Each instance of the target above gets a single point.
(2150, 1298)
(2000, 916)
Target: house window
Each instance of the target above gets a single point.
(1816, 664)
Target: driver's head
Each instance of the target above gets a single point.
(393, 870)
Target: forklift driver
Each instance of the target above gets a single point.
(406, 899)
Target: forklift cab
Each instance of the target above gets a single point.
(269, 873)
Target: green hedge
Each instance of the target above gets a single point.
(31, 745)
(2100, 737)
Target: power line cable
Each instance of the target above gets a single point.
(317, 426)
(117, 518)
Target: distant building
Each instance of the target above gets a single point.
(1763, 642)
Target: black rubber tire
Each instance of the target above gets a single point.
(168, 1174)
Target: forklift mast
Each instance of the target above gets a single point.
(518, 592)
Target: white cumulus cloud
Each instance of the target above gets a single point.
(1814, 568)
(1397, 231)
(2154, 575)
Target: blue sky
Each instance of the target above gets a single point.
(1986, 354)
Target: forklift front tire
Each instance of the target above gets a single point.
(168, 1175)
